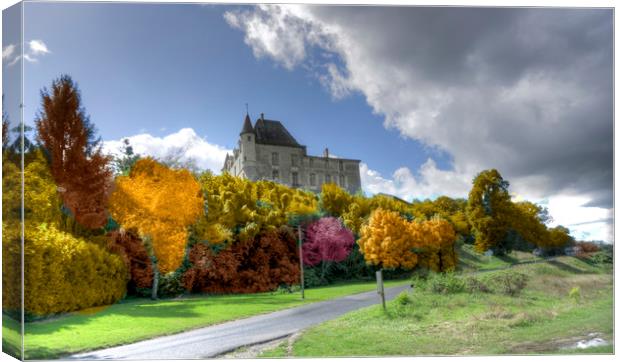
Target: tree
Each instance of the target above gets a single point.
(77, 163)
(387, 242)
(327, 240)
(489, 211)
(334, 200)
(124, 163)
(160, 203)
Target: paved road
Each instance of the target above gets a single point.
(221, 338)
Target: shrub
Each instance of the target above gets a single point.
(575, 294)
(171, 285)
(131, 248)
(602, 257)
(445, 283)
(507, 282)
(404, 298)
(475, 285)
(259, 264)
(312, 278)
(64, 273)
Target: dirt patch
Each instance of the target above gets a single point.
(558, 344)
(252, 351)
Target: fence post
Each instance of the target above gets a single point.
(301, 262)
(380, 289)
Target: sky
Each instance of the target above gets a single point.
(425, 97)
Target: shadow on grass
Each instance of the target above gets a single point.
(161, 309)
(566, 267)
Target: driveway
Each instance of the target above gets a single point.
(212, 341)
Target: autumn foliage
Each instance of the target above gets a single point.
(326, 241)
(63, 273)
(387, 241)
(133, 253)
(251, 265)
(160, 203)
(391, 241)
(78, 166)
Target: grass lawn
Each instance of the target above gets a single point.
(133, 320)
(11, 337)
(542, 319)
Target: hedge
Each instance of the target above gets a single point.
(63, 273)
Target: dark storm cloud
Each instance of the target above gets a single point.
(524, 90)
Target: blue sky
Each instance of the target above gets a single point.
(425, 97)
(159, 68)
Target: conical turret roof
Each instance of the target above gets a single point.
(247, 125)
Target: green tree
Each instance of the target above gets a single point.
(489, 211)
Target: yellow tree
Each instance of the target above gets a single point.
(334, 200)
(387, 241)
(160, 203)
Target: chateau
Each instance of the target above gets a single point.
(267, 151)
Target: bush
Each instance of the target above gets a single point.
(171, 285)
(602, 257)
(258, 264)
(575, 294)
(475, 285)
(312, 278)
(445, 283)
(64, 273)
(507, 282)
(403, 298)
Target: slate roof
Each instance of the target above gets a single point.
(247, 125)
(269, 132)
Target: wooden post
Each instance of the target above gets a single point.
(380, 289)
(301, 262)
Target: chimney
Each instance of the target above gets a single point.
(326, 153)
(262, 116)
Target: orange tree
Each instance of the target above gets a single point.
(387, 241)
(160, 203)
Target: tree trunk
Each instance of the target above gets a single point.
(155, 280)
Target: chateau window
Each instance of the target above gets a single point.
(340, 165)
(311, 162)
(249, 138)
(294, 159)
(342, 180)
(275, 174)
(312, 179)
(275, 160)
(328, 179)
(295, 179)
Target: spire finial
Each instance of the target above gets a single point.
(247, 109)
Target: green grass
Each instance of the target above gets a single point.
(11, 337)
(542, 319)
(133, 320)
(470, 260)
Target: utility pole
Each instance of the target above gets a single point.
(301, 262)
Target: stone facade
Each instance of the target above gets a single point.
(267, 151)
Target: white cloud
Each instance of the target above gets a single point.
(430, 183)
(184, 144)
(7, 51)
(38, 47)
(525, 92)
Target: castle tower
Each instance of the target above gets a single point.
(247, 147)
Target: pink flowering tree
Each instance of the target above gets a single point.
(327, 241)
